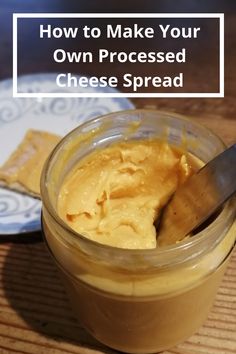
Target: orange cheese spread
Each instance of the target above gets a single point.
(114, 194)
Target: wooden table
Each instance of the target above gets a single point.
(35, 316)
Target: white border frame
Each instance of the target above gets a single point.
(220, 16)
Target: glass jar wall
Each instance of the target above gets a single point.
(137, 301)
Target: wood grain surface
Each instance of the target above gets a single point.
(35, 315)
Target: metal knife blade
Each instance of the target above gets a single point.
(198, 198)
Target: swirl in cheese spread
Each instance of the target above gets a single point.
(114, 194)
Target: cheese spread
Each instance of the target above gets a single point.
(114, 195)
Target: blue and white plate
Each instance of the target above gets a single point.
(18, 213)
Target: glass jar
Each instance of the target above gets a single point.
(137, 301)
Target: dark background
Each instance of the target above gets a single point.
(204, 56)
(207, 41)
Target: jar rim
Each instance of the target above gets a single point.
(191, 243)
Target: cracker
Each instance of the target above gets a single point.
(22, 171)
